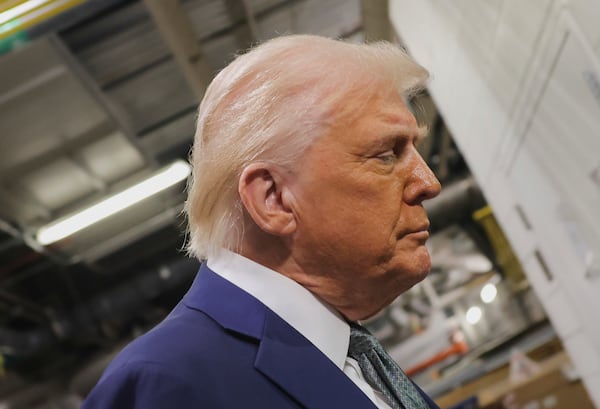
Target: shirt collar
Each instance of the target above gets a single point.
(293, 303)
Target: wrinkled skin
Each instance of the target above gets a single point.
(361, 224)
(355, 228)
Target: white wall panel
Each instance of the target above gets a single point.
(518, 31)
(563, 135)
(523, 240)
(584, 354)
(554, 167)
(592, 383)
(564, 318)
(587, 15)
(518, 84)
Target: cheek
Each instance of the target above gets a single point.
(356, 208)
(367, 213)
(375, 195)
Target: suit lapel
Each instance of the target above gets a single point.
(293, 363)
(284, 356)
(233, 308)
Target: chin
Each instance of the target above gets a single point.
(422, 262)
(422, 275)
(423, 269)
(416, 272)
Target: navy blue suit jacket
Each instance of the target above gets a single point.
(222, 348)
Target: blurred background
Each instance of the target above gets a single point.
(97, 108)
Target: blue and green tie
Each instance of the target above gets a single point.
(382, 372)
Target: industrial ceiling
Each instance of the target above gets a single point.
(93, 101)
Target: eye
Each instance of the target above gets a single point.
(388, 156)
(393, 155)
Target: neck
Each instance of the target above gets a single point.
(277, 253)
(265, 249)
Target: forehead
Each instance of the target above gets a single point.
(386, 113)
(369, 126)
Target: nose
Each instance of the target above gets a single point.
(422, 184)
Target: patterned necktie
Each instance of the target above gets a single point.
(382, 372)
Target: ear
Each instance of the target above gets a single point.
(264, 195)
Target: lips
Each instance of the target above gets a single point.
(419, 235)
(424, 227)
(421, 230)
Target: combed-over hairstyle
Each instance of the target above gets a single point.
(269, 104)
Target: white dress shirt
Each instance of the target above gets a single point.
(298, 307)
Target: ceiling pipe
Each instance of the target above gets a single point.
(20, 237)
(122, 301)
(457, 201)
(31, 396)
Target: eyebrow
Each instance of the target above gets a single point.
(417, 137)
(422, 133)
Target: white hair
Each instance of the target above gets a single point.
(269, 104)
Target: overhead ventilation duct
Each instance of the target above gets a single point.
(457, 201)
(121, 302)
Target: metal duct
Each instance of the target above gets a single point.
(31, 396)
(457, 201)
(121, 301)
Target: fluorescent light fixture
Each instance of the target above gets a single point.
(20, 9)
(474, 315)
(488, 293)
(68, 225)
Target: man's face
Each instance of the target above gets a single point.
(361, 224)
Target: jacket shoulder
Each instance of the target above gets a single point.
(184, 342)
(186, 358)
(147, 385)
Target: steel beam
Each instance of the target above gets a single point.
(240, 11)
(31, 84)
(15, 197)
(178, 32)
(376, 20)
(116, 114)
(12, 231)
(67, 147)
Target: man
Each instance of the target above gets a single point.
(306, 201)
